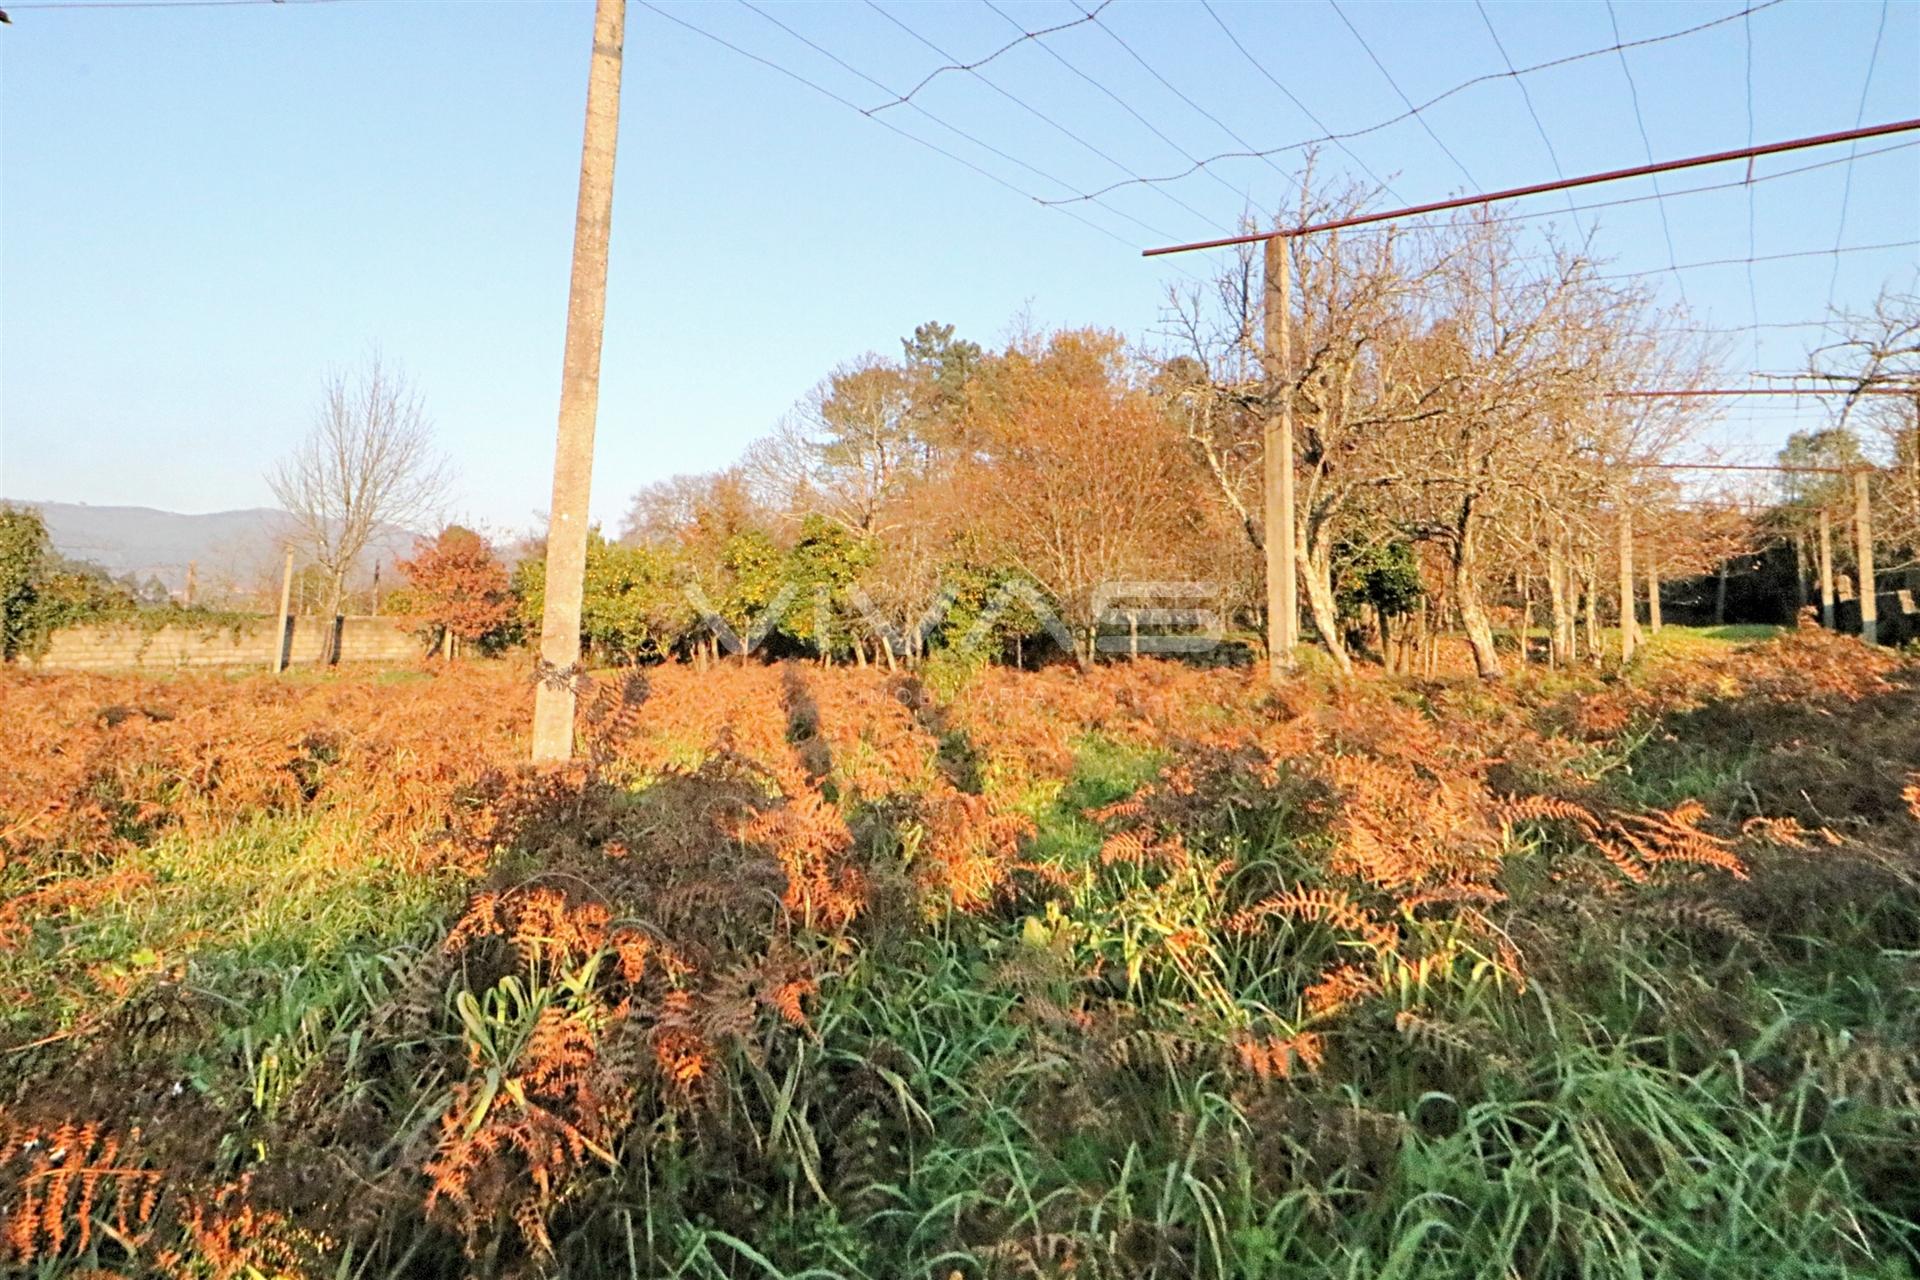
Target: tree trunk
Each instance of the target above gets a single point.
(1654, 622)
(1526, 616)
(1561, 605)
(446, 644)
(1318, 559)
(1466, 598)
(330, 633)
(553, 696)
(1466, 593)
(1720, 597)
(1590, 584)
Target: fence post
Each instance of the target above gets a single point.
(280, 631)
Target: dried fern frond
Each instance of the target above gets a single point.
(55, 1180)
(1330, 907)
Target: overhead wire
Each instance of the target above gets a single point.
(1633, 92)
(1118, 101)
(1765, 257)
(952, 128)
(1304, 109)
(1846, 189)
(1418, 114)
(975, 65)
(1332, 136)
(1753, 247)
(818, 88)
(1526, 96)
(1619, 201)
(76, 5)
(1149, 68)
(1032, 110)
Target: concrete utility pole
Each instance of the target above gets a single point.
(1283, 601)
(579, 396)
(280, 631)
(1629, 623)
(1826, 570)
(1863, 552)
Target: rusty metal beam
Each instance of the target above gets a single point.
(1542, 188)
(1715, 392)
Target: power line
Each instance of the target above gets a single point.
(1542, 188)
(1175, 91)
(1721, 393)
(1753, 247)
(1401, 94)
(1633, 92)
(1767, 257)
(1703, 189)
(951, 128)
(1030, 109)
(1330, 136)
(1846, 190)
(1118, 101)
(1305, 110)
(74, 5)
(1757, 326)
(1526, 96)
(981, 62)
(855, 107)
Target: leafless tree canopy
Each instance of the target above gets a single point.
(1463, 457)
(369, 461)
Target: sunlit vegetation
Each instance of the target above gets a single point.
(1146, 970)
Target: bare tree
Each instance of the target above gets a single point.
(1876, 357)
(368, 462)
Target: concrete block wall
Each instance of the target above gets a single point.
(103, 647)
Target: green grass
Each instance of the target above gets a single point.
(278, 905)
(1610, 1122)
(1038, 1089)
(1604, 1125)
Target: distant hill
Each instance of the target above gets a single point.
(232, 549)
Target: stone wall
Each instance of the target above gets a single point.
(118, 647)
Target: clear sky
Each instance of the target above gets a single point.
(203, 208)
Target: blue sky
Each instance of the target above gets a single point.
(203, 208)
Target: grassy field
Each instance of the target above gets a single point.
(805, 972)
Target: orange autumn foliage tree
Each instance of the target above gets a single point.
(459, 588)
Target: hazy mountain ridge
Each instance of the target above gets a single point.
(231, 547)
